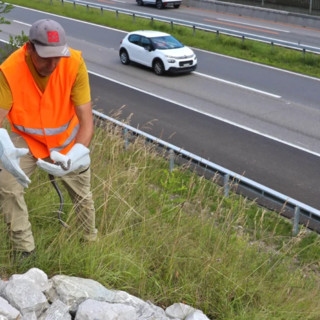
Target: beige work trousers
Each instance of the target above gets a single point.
(14, 208)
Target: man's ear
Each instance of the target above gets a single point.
(30, 47)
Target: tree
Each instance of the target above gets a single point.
(4, 8)
(14, 42)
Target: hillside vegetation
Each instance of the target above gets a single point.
(174, 237)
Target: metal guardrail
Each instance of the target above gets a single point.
(229, 177)
(199, 26)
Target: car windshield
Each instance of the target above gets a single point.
(166, 42)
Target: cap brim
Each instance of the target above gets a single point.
(51, 51)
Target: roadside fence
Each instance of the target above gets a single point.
(229, 178)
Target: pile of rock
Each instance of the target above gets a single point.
(32, 296)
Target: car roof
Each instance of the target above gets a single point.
(150, 33)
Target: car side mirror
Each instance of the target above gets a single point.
(149, 48)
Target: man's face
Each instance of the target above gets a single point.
(44, 66)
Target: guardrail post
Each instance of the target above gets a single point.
(242, 39)
(87, 7)
(310, 7)
(151, 21)
(193, 30)
(117, 14)
(62, 2)
(171, 160)
(133, 18)
(304, 52)
(171, 23)
(226, 185)
(126, 140)
(101, 11)
(296, 218)
(218, 34)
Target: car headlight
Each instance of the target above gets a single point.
(191, 56)
(170, 59)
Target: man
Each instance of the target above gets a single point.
(45, 95)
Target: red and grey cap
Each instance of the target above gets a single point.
(49, 39)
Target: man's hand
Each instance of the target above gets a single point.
(10, 158)
(78, 157)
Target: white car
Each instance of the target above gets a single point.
(160, 3)
(157, 50)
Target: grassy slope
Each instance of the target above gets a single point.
(175, 238)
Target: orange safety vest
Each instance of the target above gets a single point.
(46, 120)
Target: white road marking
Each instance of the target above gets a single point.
(253, 25)
(20, 22)
(238, 85)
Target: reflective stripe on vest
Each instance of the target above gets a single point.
(69, 140)
(51, 132)
(48, 132)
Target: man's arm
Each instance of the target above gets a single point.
(10, 155)
(3, 114)
(85, 133)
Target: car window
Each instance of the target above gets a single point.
(166, 42)
(145, 42)
(134, 38)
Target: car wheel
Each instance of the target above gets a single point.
(124, 57)
(140, 2)
(158, 68)
(159, 4)
(176, 6)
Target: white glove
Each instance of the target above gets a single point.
(10, 158)
(76, 158)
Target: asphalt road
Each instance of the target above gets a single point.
(250, 130)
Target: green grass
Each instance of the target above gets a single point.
(175, 237)
(288, 59)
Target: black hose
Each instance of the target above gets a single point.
(55, 185)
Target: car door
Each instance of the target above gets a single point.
(133, 47)
(145, 52)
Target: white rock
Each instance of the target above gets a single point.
(179, 310)
(72, 291)
(36, 276)
(29, 316)
(57, 311)
(126, 298)
(197, 315)
(149, 311)
(25, 296)
(99, 310)
(7, 311)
